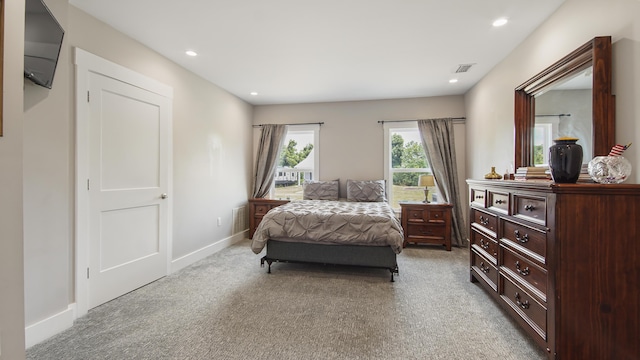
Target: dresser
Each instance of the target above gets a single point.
(563, 260)
(258, 207)
(426, 223)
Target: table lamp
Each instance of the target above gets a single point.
(426, 181)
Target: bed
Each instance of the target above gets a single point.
(357, 231)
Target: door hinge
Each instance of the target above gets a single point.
(87, 96)
(87, 273)
(88, 185)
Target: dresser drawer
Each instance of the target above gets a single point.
(485, 220)
(529, 274)
(526, 306)
(485, 269)
(525, 239)
(530, 208)
(478, 197)
(485, 245)
(498, 201)
(419, 231)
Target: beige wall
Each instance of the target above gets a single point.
(11, 252)
(211, 162)
(351, 139)
(48, 180)
(489, 104)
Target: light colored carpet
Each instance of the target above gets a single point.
(227, 307)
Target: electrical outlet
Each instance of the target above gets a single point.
(219, 221)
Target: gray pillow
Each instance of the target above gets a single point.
(321, 190)
(366, 190)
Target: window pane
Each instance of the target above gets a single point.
(405, 188)
(406, 149)
(295, 166)
(407, 163)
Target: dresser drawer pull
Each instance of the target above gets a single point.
(529, 207)
(479, 197)
(501, 201)
(523, 239)
(426, 232)
(484, 245)
(485, 269)
(416, 214)
(523, 304)
(523, 272)
(484, 221)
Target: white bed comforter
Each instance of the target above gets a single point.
(331, 222)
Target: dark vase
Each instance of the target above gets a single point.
(565, 160)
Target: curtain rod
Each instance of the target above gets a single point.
(455, 120)
(309, 123)
(544, 115)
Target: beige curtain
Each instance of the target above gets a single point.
(439, 144)
(268, 154)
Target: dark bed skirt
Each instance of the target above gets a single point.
(355, 255)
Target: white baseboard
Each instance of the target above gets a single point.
(186, 260)
(44, 329)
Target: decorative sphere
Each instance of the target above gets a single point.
(609, 169)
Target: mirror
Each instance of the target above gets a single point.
(573, 98)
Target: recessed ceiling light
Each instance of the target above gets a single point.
(253, 93)
(500, 22)
(453, 81)
(191, 53)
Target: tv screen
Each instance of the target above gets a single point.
(42, 42)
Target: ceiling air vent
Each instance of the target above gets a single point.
(463, 68)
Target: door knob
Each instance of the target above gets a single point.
(163, 196)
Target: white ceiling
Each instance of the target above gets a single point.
(299, 51)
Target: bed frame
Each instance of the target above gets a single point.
(354, 255)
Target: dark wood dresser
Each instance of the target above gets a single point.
(563, 260)
(257, 208)
(426, 223)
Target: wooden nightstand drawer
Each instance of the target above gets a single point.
(258, 208)
(261, 209)
(427, 215)
(427, 223)
(415, 214)
(419, 231)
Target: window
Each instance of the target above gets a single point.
(543, 133)
(298, 161)
(405, 161)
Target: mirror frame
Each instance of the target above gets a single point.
(596, 53)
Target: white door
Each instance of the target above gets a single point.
(128, 183)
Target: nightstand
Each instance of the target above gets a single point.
(258, 208)
(426, 223)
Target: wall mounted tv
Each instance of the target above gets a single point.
(42, 43)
